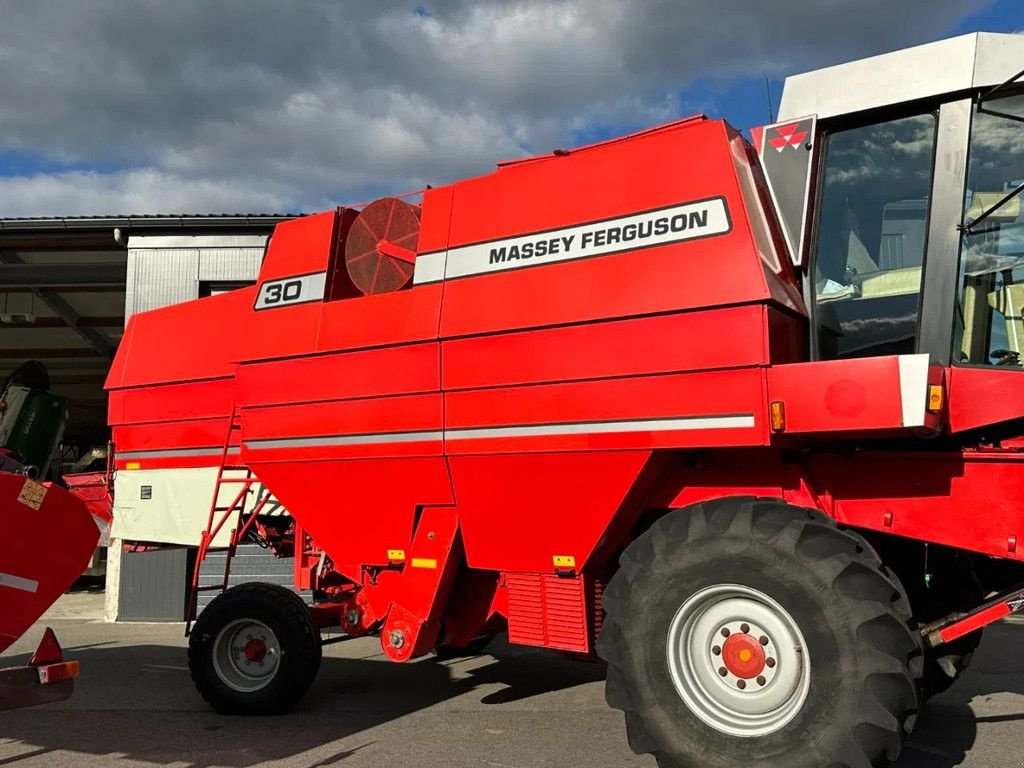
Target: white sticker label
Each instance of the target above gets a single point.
(285, 291)
(32, 494)
(662, 226)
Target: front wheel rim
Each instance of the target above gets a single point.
(246, 655)
(738, 660)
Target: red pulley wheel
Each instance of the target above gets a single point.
(380, 250)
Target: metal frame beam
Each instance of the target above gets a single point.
(64, 311)
(48, 353)
(16, 273)
(111, 321)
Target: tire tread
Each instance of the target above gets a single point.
(880, 613)
(304, 660)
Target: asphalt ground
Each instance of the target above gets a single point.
(512, 708)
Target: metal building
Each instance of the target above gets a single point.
(67, 286)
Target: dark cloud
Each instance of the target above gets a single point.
(255, 104)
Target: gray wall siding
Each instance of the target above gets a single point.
(165, 270)
(229, 264)
(158, 277)
(153, 585)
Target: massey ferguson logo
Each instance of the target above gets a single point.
(660, 226)
(787, 136)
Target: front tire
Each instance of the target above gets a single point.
(254, 650)
(743, 631)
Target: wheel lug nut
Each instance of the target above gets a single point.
(763, 640)
(770, 663)
(717, 651)
(741, 684)
(725, 631)
(761, 680)
(723, 671)
(744, 628)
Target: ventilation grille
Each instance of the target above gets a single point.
(551, 611)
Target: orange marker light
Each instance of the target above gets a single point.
(936, 397)
(778, 415)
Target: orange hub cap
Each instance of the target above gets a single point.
(743, 656)
(255, 650)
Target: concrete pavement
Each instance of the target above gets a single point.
(515, 708)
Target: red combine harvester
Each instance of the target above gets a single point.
(745, 420)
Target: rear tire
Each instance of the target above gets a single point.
(939, 581)
(254, 650)
(843, 688)
(954, 587)
(946, 664)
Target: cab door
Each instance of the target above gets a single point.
(870, 236)
(986, 381)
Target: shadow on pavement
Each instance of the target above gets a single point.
(945, 731)
(139, 702)
(947, 727)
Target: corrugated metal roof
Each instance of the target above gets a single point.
(146, 221)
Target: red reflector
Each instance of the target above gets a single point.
(55, 673)
(48, 651)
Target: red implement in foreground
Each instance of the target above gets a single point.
(31, 580)
(744, 419)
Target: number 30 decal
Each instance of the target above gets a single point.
(283, 292)
(291, 290)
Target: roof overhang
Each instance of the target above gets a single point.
(59, 233)
(957, 65)
(161, 222)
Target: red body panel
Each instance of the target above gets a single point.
(368, 507)
(29, 584)
(704, 409)
(382, 319)
(839, 395)
(300, 247)
(979, 397)
(212, 398)
(563, 192)
(175, 344)
(93, 488)
(517, 529)
(174, 436)
(343, 376)
(938, 497)
(645, 345)
(345, 429)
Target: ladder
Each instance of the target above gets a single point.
(219, 517)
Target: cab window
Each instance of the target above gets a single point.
(870, 237)
(989, 321)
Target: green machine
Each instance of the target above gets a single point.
(32, 419)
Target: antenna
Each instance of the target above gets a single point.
(768, 95)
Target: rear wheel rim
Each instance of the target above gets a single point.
(738, 660)
(246, 655)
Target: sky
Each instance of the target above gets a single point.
(228, 106)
